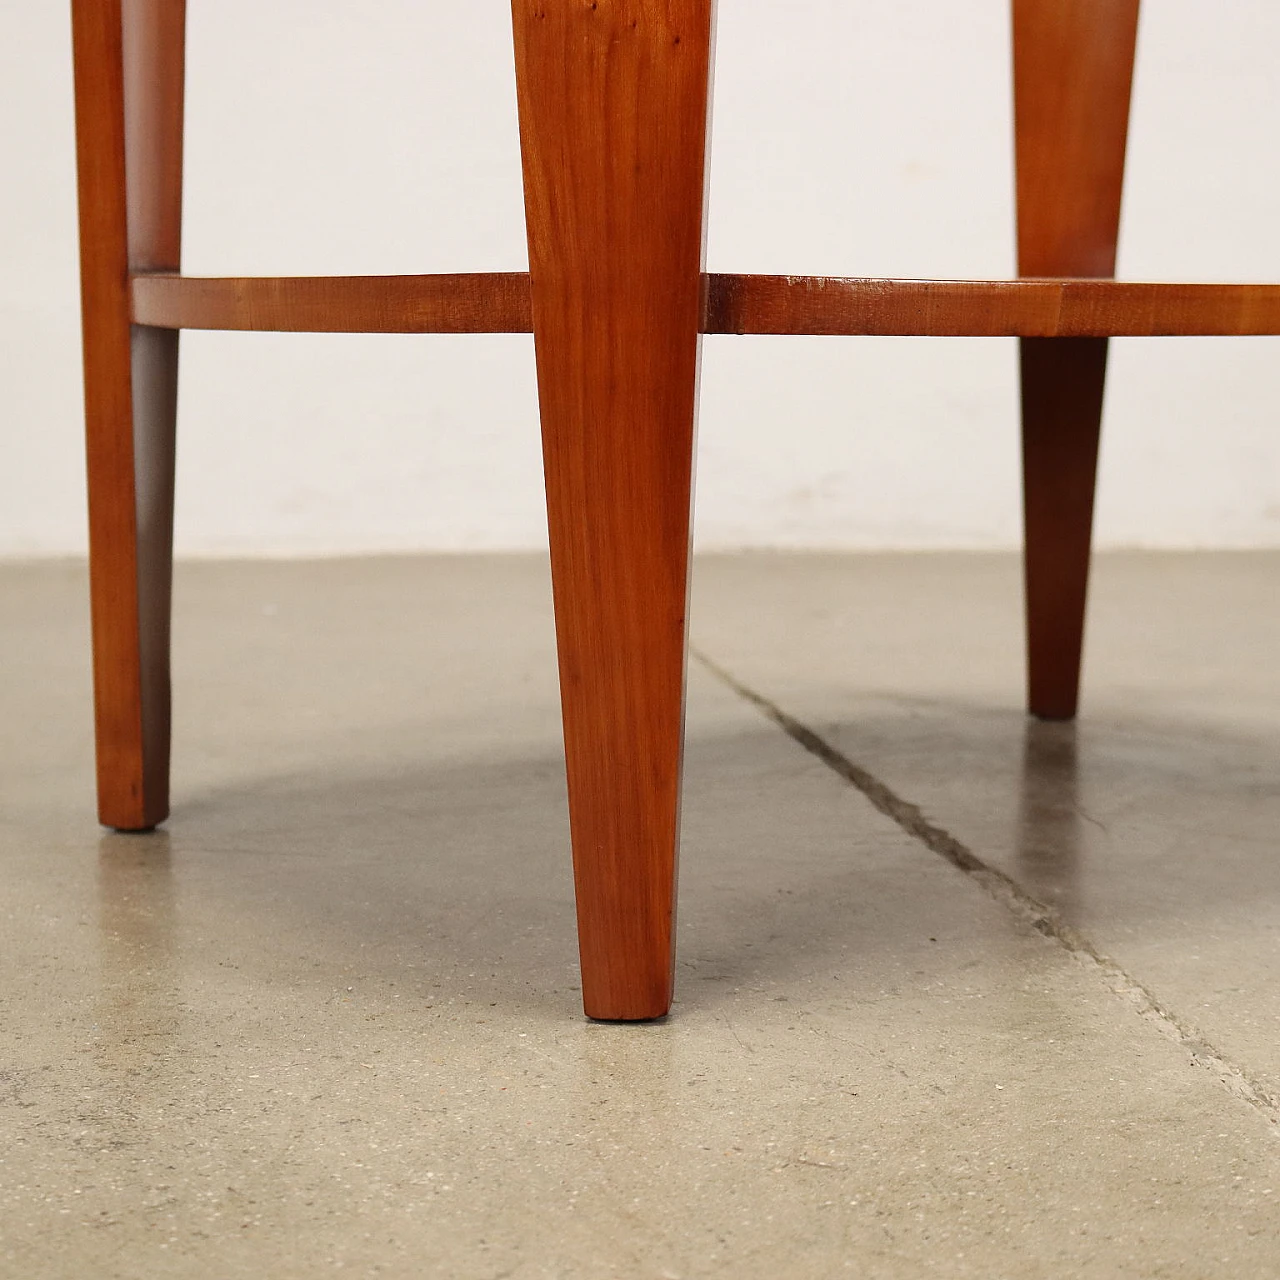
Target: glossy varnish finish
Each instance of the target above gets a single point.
(985, 308)
(483, 302)
(1073, 67)
(498, 302)
(128, 73)
(613, 112)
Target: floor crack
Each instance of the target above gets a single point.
(1005, 890)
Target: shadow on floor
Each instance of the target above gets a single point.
(462, 866)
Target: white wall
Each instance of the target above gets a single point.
(850, 137)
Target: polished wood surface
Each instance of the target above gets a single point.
(499, 303)
(1062, 386)
(1072, 71)
(128, 78)
(613, 115)
(485, 302)
(985, 308)
(1073, 68)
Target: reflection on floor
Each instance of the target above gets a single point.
(1023, 1023)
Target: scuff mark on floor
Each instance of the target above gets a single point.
(1005, 890)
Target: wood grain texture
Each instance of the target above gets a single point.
(128, 60)
(1073, 69)
(985, 308)
(486, 302)
(498, 302)
(154, 71)
(613, 98)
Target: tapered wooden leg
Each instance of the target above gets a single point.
(613, 98)
(1073, 66)
(1062, 383)
(129, 80)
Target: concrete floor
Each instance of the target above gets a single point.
(961, 995)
